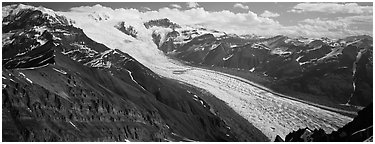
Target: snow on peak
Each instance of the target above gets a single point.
(280, 51)
(14, 9)
(54, 17)
(100, 16)
(162, 32)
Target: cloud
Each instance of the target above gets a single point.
(334, 28)
(192, 4)
(227, 21)
(267, 13)
(175, 6)
(353, 8)
(242, 23)
(239, 5)
(341, 22)
(94, 8)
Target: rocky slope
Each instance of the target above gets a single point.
(336, 70)
(358, 130)
(59, 85)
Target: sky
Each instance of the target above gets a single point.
(333, 20)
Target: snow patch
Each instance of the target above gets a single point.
(288, 40)
(21, 74)
(350, 43)
(226, 58)
(232, 46)
(259, 46)
(354, 72)
(313, 49)
(56, 38)
(60, 71)
(303, 63)
(19, 54)
(46, 60)
(100, 62)
(214, 46)
(183, 138)
(252, 69)
(73, 125)
(85, 48)
(31, 68)
(335, 52)
(131, 76)
(29, 80)
(265, 74)
(195, 96)
(6, 40)
(68, 52)
(299, 58)
(40, 29)
(280, 51)
(24, 76)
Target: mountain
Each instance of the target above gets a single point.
(60, 85)
(98, 74)
(339, 71)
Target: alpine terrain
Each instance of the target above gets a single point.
(102, 74)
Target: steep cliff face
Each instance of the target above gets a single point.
(59, 85)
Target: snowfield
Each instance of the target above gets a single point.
(270, 113)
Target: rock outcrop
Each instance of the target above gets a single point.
(359, 130)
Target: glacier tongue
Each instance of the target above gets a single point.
(272, 114)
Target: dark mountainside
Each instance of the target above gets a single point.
(336, 71)
(360, 129)
(59, 85)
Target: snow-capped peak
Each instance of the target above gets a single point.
(13, 10)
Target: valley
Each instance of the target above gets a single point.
(98, 74)
(269, 113)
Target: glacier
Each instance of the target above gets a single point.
(269, 112)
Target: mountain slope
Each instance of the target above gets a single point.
(60, 85)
